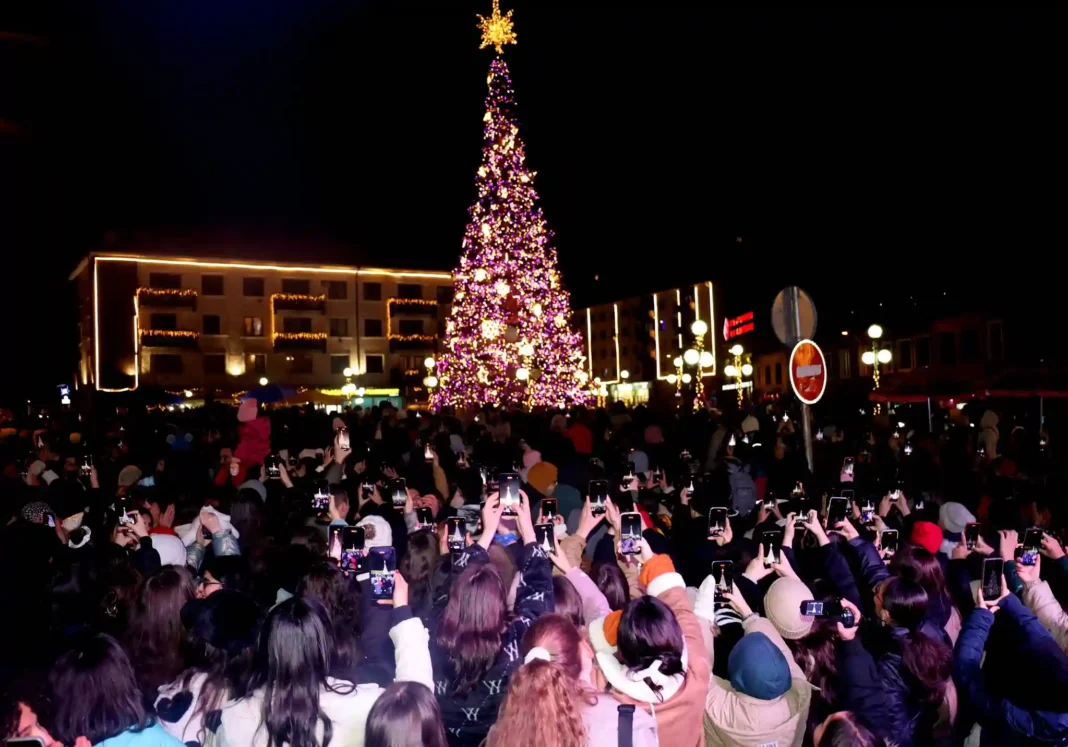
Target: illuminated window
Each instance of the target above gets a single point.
(214, 365)
(253, 326)
(165, 280)
(338, 363)
(252, 287)
(339, 327)
(212, 324)
(372, 291)
(211, 285)
(372, 327)
(296, 286)
(258, 363)
(374, 364)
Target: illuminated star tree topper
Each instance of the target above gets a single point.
(509, 338)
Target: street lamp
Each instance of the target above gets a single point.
(624, 374)
(263, 381)
(692, 357)
(347, 372)
(738, 368)
(876, 355)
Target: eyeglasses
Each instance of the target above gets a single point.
(202, 582)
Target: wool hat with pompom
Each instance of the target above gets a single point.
(782, 607)
(927, 535)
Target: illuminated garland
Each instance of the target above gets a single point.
(299, 336)
(410, 338)
(160, 292)
(298, 298)
(165, 296)
(177, 333)
(413, 301)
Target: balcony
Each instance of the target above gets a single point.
(399, 343)
(415, 306)
(298, 302)
(300, 341)
(170, 338)
(184, 297)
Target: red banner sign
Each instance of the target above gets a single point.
(737, 326)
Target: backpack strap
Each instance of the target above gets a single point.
(626, 725)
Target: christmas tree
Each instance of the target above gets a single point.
(509, 339)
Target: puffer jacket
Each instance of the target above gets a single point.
(734, 719)
(906, 715)
(1039, 599)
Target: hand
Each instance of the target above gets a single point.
(883, 509)
(526, 526)
(663, 481)
(1051, 547)
(848, 634)
(138, 527)
(959, 552)
(587, 521)
(879, 524)
(726, 536)
(856, 511)
(774, 509)
(846, 529)
(94, 479)
(1007, 541)
(559, 559)
(995, 604)
(491, 518)
(612, 513)
(647, 553)
(788, 530)
(211, 521)
(124, 537)
(328, 455)
(331, 510)
(235, 466)
(756, 569)
(1029, 574)
(389, 473)
(400, 592)
(409, 502)
(684, 496)
(783, 567)
(762, 512)
(901, 503)
(737, 601)
(812, 524)
(283, 474)
(982, 547)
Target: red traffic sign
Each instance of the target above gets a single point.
(808, 372)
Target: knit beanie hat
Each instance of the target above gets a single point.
(227, 619)
(640, 460)
(953, 517)
(757, 667)
(927, 535)
(782, 606)
(129, 475)
(246, 413)
(171, 549)
(541, 476)
(750, 424)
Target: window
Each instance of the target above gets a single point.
(301, 364)
(253, 326)
(409, 290)
(296, 287)
(374, 364)
(923, 351)
(767, 375)
(995, 342)
(337, 290)
(338, 363)
(166, 363)
(165, 280)
(164, 321)
(294, 324)
(372, 327)
(969, 345)
(372, 291)
(258, 363)
(445, 294)
(411, 326)
(212, 324)
(211, 285)
(904, 355)
(252, 287)
(845, 364)
(947, 348)
(604, 334)
(778, 374)
(339, 327)
(214, 365)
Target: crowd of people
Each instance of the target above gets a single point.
(257, 577)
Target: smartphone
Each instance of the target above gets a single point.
(772, 542)
(848, 465)
(508, 489)
(87, 465)
(548, 509)
(598, 492)
(722, 572)
(456, 534)
(352, 542)
(630, 533)
(1032, 543)
(717, 521)
(428, 455)
(889, 540)
(798, 491)
(971, 535)
(992, 568)
(333, 542)
(343, 439)
(321, 497)
(830, 608)
(849, 495)
(50, 520)
(658, 475)
(122, 508)
(382, 563)
(24, 742)
(836, 511)
(424, 517)
(398, 489)
(908, 449)
(368, 489)
(271, 466)
(867, 511)
(801, 514)
(545, 539)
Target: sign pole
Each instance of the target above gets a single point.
(793, 319)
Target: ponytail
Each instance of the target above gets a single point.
(927, 660)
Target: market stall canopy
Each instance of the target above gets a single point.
(1029, 383)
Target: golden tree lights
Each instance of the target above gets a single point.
(738, 368)
(510, 337)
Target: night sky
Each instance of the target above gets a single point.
(872, 157)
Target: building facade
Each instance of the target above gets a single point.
(221, 326)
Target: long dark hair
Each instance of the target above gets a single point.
(292, 665)
(326, 584)
(568, 601)
(406, 714)
(95, 693)
(845, 729)
(417, 567)
(927, 660)
(472, 625)
(648, 632)
(613, 584)
(816, 654)
(917, 564)
(155, 638)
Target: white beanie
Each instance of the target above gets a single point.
(170, 548)
(954, 516)
(380, 528)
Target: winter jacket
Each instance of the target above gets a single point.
(1003, 723)
(906, 715)
(1039, 599)
(469, 715)
(860, 686)
(345, 704)
(734, 719)
(602, 724)
(594, 602)
(681, 699)
(176, 708)
(223, 542)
